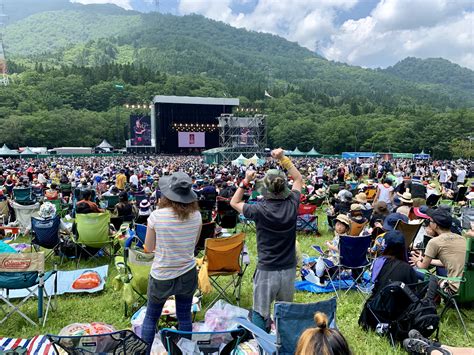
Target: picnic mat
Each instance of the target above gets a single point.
(343, 284)
(65, 281)
(38, 345)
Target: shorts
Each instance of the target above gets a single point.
(185, 285)
(270, 286)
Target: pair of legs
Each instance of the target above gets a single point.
(183, 288)
(268, 287)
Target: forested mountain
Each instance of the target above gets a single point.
(434, 71)
(64, 66)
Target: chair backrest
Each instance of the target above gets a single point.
(223, 205)
(120, 342)
(292, 319)
(409, 231)
(4, 210)
(22, 194)
(112, 200)
(46, 231)
(367, 213)
(353, 251)
(223, 254)
(139, 263)
(466, 288)
(432, 200)
(356, 228)
(370, 193)
(20, 270)
(207, 231)
(140, 230)
(93, 229)
(461, 194)
(306, 209)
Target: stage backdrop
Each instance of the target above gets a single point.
(140, 130)
(191, 140)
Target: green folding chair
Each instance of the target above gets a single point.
(111, 201)
(92, 231)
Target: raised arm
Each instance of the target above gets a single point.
(236, 201)
(286, 163)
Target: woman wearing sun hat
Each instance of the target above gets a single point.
(172, 233)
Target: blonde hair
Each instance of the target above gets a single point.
(322, 340)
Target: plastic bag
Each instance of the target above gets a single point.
(220, 316)
(88, 280)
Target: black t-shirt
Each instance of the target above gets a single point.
(276, 231)
(402, 272)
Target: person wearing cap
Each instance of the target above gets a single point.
(275, 220)
(144, 211)
(172, 234)
(356, 214)
(444, 250)
(406, 202)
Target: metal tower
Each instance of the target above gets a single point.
(3, 61)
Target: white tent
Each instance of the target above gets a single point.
(105, 146)
(241, 160)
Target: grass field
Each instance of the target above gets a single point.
(107, 307)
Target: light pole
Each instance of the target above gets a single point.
(119, 88)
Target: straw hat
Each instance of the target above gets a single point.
(356, 207)
(344, 219)
(406, 197)
(361, 197)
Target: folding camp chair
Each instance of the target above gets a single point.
(370, 193)
(140, 232)
(60, 210)
(207, 208)
(93, 232)
(409, 232)
(227, 217)
(291, 320)
(137, 265)
(446, 202)
(4, 212)
(118, 221)
(461, 194)
(45, 234)
(352, 256)
(465, 293)
(66, 191)
(432, 200)
(224, 342)
(38, 193)
(307, 220)
(367, 213)
(24, 213)
(226, 257)
(356, 228)
(111, 201)
(208, 230)
(23, 195)
(25, 271)
(118, 343)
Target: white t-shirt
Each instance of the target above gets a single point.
(134, 180)
(461, 175)
(443, 176)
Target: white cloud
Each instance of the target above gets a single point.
(122, 3)
(386, 36)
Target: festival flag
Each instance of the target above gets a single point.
(268, 95)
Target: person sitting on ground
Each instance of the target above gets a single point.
(86, 205)
(444, 250)
(124, 208)
(177, 222)
(322, 340)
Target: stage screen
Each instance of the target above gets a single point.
(140, 130)
(247, 136)
(191, 140)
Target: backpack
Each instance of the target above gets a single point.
(398, 308)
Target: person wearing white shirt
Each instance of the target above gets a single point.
(460, 175)
(134, 179)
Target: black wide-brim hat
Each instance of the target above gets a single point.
(177, 187)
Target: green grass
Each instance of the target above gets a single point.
(107, 307)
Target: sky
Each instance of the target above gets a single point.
(367, 33)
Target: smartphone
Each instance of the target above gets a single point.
(318, 249)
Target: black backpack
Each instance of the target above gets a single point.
(398, 308)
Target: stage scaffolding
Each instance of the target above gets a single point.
(241, 135)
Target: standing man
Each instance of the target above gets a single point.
(121, 180)
(275, 219)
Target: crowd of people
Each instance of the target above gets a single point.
(162, 191)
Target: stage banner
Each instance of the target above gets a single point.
(140, 130)
(191, 140)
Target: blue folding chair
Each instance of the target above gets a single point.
(45, 234)
(140, 233)
(291, 320)
(25, 271)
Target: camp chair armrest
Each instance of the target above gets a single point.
(454, 279)
(245, 256)
(265, 340)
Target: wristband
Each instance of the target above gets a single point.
(244, 184)
(286, 163)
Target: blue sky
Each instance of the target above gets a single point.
(368, 33)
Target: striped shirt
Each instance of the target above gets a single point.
(175, 242)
